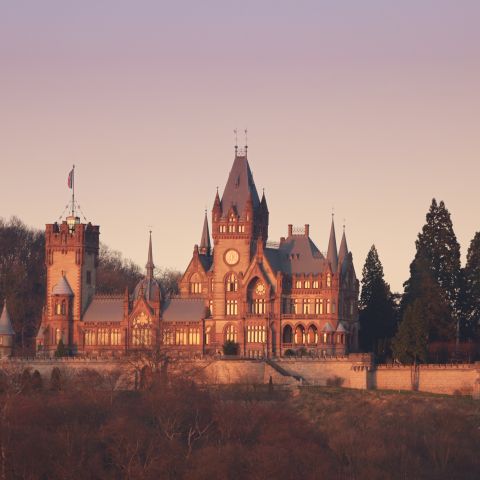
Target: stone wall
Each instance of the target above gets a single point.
(350, 371)
(447, 379)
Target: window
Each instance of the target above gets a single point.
(298, 284)
(64, 307)
(195, 283)
(296, 305)
(328, 306)
(222, 228)
(256, 334)
(241, 229)
(232, 228)
(232, 283)
(306, 306)
(351, 308)
(307, 283)
(315, 284)
(299, 335)
(210, 308)
(319, 306)
(90, 337)
(258, 306)
(115, 338)
(325, 338)
(103, 337)
(58, 335)
(169, 337)
(232, 307)
(312, 335)
(194, 336)
(334, 307)
(181, 336)
(231, 333)
(329, 280)
(207, 335)
(58, 309)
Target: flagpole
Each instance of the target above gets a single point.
(73, 191)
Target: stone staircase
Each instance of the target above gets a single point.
(280, 375)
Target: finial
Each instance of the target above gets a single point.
(333, 212)
(236, 141)
(246, 138)
(344, 221)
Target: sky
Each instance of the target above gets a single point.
(371, 108)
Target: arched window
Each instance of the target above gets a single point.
(58, 335)
(312, 336)
(329, 306)
(141, 331)
(195, 283)
(231, 333)
(307, 283)
(169, 337)
(287, 334)
(315, 284)
(232, 283)
(329, 280)
(58, 308)
(306, 306)
(299, 335)
(103, 337)
(298, 284)
(334, 306)
(64, 307)
(194, 336)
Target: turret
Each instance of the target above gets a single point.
(332, 255)
(6, 333)
(205, 246)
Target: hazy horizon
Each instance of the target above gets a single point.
(371, 108)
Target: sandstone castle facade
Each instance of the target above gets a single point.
(261, 299)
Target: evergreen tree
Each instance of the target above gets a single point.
(438, 252)
(411, 341)
(61, 351)
(377, 308)
(470, 291)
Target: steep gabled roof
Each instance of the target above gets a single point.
(184, 310)
(298, 254)
(239, 187)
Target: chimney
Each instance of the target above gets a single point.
(307, 230)
(290, 230)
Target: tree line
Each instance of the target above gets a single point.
(438, 316)
(23, 277)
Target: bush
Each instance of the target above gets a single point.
(230, 348)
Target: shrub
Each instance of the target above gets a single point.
(230, 348)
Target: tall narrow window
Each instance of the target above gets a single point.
(329, 280)
(231, 333)
(232, 307)
(232, 283)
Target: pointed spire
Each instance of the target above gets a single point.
(343, 252)
(150, 266)
(332, 255)
(263, 202)
(5, 322)
(205, 245)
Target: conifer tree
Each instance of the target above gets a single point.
(410, 344)
(439, 250)
(377, 308)
(470, 291)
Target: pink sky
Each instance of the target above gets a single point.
(370, 107)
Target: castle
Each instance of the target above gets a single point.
(258, 298)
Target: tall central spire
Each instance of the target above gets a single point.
(239, 187)
(150, 266)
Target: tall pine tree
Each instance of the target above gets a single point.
(438, 251)
(470, 291)
(377, 308)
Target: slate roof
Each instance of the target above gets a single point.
(239, 186)
(342, 253)
(62, 288)
(183, 310)
(332, 255)
(5, 322)
(105, 309)
(296, 254)
(327, 328)
(205, 240)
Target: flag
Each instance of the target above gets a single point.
(70, 179)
